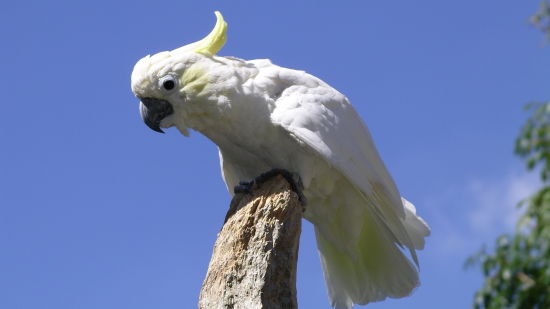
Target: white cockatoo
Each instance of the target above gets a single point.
(263, 116)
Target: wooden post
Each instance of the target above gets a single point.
(254, 260)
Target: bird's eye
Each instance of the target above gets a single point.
(168, 83)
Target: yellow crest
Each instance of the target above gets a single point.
(213, 42)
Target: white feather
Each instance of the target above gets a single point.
(360, 219)
(263, 116)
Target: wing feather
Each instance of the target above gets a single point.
(323, 119)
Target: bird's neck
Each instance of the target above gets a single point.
(224, 105)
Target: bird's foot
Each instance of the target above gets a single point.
(244, 187)
(293, 179)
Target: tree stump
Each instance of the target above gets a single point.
(253, 264)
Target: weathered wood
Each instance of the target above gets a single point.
(254, 260)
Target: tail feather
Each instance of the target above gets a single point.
(415, 225)
(370, 267)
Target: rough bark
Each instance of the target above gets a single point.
(254, 260)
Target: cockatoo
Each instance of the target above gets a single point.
(263, 116)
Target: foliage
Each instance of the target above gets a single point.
(517, 274)
(541, 19)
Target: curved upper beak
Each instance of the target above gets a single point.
(153, 111)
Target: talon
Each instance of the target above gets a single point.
(244, 187)
(293, 179)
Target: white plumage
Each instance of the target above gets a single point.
(262, 116)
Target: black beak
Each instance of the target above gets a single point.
(153, 111)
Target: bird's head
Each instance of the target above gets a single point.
(168, 82)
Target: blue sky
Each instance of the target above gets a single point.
(98, 211)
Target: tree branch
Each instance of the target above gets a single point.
(254, 260)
